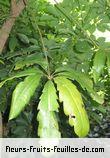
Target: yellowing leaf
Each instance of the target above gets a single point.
(22, 94)
(73, 106)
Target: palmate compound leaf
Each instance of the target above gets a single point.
(48, 105)
(22, 94)
(31, 71)
(98, 64)
(73, 106)
(83, 79)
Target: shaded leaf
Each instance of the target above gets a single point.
(33, 48)
(108, 62)
(30, 60)
(82, 46)
(31, 71)
(98, 64)
(23, 38)
(12, 43)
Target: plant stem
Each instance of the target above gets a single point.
(44, 49)
(35, 26)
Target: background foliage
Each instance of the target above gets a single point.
(67, 31)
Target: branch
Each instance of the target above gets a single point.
(16, 9)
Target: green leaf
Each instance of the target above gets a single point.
(82, 46)
(98, 64)
(102, 109)
(22, 94)
(31, 71)
(12, 43)
(33, 41)
(3, 99)
(73, 106)
(30, 60)
(48, 126)
(83, 79)
(96, 117)
(33, 48)
(108, 62)
(48, 100)
(23, 38)
(2, 62)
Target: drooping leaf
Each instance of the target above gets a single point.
(48, 126)
(108, 62)
(98, 64)
(31, 71)
(30, 60)
(83, 79)
(73, 106)
(22, 94)
(48, 99)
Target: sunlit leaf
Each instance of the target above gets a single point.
(83, 79)
(48, 99)
(73, 106)
(48, 126)
(22, 94)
